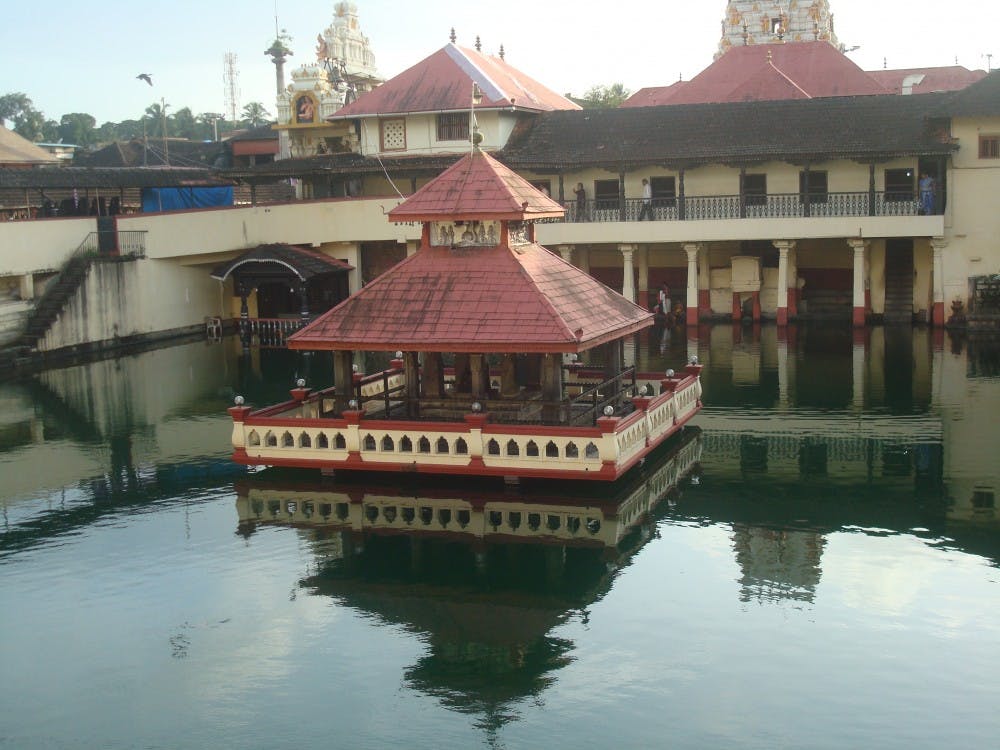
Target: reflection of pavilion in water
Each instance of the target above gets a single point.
(484, 574)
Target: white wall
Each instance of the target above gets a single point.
(42, 244)
(130, 298)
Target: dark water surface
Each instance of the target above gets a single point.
(814, 566)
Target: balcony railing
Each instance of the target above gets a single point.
(769, 206)
(129, 242)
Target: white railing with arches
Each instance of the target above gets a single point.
(294, 433)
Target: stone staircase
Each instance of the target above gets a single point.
(827, 304)
(54, 300)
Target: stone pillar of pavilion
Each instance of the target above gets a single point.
(628, 272)
(552, 387)
(432, 379)
(343, 379)
(566, 252)
(480, 371)
(784, 246)
(411, 371)
(858, 316)
(938, 244)
(692, 300)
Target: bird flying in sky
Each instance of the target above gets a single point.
(145, 77)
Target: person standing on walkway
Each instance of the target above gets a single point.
(926, 185)
(647, 201)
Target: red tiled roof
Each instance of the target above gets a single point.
(483, 299)
(653, 96)
(761, 72)
(304, 262)
(443, 82)
(948, 78)
(477, 186)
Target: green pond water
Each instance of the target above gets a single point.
(815, 564)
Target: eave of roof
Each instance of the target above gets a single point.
(676, 135)
(111, 177)
(477, 300)
(303, 262)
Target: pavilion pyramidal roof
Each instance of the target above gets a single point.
(477, 187)
(502, 298)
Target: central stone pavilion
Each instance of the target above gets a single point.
(481, 319)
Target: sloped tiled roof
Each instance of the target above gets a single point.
(443, 82)
(15, 149)
(345, 163)
(97, 177)
(981, 99)
(303, 262)
(179, 152)
(477, 187)
(763, 72)
(946, 78)
(836, 127)
(482, 299)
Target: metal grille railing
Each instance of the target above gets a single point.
(765, 206)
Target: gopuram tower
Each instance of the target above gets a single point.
(769, 21)
(344, 69)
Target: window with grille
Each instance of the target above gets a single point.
(393, 135)
(755, 189)
(989, 147)
(453, 126)
(815, 184)
(899, 185)
(606, 194)
(664, 191)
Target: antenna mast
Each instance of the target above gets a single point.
(231, 84)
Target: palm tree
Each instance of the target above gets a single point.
(255, 114)
(156, 113)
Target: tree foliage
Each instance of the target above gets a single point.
(18, 109)
(255, 114)
(18, 113)
(605, 97)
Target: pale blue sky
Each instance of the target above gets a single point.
(73, 56)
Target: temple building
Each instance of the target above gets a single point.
(749, 22)
(344, 69)
(488, 328)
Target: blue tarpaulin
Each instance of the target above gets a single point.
(183, 198)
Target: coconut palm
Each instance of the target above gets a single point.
(255, 114)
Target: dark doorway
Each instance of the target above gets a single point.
(899, 281)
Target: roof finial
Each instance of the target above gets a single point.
(479, 45)
(501, 52)
(769, 56)
(451, 37)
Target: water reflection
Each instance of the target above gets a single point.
(483, 575)
(824, 461)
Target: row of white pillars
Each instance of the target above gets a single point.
(787, 282)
